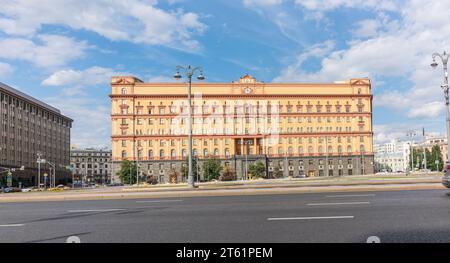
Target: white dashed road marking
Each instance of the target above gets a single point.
(158, 201)
(334, 196)
(310, 218)
(12, 225)
(94, 210)
(347, 203)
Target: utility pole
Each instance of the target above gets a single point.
(39, 169)
(189, 70)
(112, 170)
(411, 134)
(444, 59)
(137, 166)
(424, 149)
(327, 173)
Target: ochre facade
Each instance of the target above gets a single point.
(304, 129)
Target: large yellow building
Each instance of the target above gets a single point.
(300, 129)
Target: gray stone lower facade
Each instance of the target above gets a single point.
(295, 166)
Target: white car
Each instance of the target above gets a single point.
(26, 190)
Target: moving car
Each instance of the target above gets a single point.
(446, 178)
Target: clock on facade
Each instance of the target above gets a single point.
(248, 90)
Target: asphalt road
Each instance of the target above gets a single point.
(392, 216)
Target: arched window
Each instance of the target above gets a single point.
(172, 153)
(194, 152)
(310, 150)
(330, 149)
(321, 149)
(150, 154)
(280, 150)
(340, 149)
(124, 154)
(216, 152)
(227, 152)
(300, 150)
(290, 150)
(161, 153)
(270, 151)
(349, 149)
(183, 153)
(361, 148)
(124, 91)
(205, 152)
(139, 154)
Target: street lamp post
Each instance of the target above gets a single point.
(139, 149)
(39, 154)
(411, 134)
(444, 58)
(189, 70)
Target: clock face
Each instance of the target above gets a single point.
(248, 90)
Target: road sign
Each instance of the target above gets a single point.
(45, 175)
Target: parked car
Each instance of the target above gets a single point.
(446, 178)
(26, 190)
(11, 190)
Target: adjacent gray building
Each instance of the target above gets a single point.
(91, 165)
(28, 127)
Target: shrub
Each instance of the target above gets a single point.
(228, 174)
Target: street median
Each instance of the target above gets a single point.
(256, 187)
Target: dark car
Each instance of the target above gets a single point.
(11, 190)
(446, 178)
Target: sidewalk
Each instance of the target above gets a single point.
(255, 187)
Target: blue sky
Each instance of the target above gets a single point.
(65, 51)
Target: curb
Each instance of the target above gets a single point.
(220, 192)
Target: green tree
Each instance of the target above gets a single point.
(127, 173)
(417, 158)
(436, 156)
(257, 169)
(185, 169)
(211, 169)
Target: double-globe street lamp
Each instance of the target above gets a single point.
(189, 70)
(444, 58)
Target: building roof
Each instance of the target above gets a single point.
(31, 100)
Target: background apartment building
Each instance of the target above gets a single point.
(28, 127)
(393, 156)
(91, 165)
(310, 129)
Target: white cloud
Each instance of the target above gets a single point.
(326, 5)
(50, 51)
(5, 69)
(139, 21)
(428, 110)
(396, 51)
(92, 121)
(386, 133)
(91, 76)
(250, 3)
(367, 28)
(291, 72)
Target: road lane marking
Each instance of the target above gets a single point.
(347, 203)
(12, 225)
(158, 201)
(309, 218)
(333, 196)
(94, 210)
